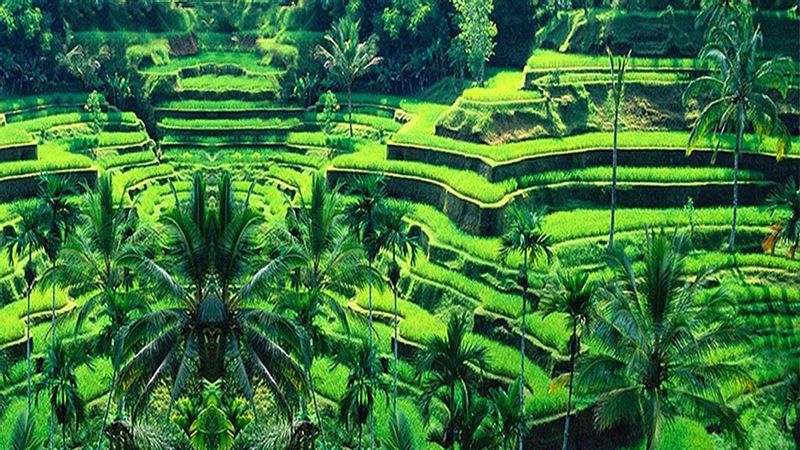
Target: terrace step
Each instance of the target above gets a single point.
(19, 152)
(27, 185)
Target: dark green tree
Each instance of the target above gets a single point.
(653, 342)
(346, 58)
(524, 236)
(214, 247)
(573, 295)
(739, 88)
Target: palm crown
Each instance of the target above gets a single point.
(655, 341)
(216, 253)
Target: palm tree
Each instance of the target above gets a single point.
(449, 362)
(652, 344)
(61, 383)
(363, 215)
(574, 296)
(346, 58)
(60, 217)
(524, 235)
(363, 383)
(95, 262)
(22, 241)
(325, 259)
(507, 414)
(401, 433)
(395, 234)
(791, 403)
(618, 68)
(739, 87)
(212, 327)
(23, 435)
(788, 229)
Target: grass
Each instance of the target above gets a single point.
(639, 174)
(223, 83)
(222, 105)
(248, 156)
(418, 325)
(11, 136)
(12, 315)
(548, 59)
(52, 157)
(128, 159)
(501, 85)
(230, 124)
(248, 61)
(597, 140)
(35, 101)
(468, 183)
(603, 78)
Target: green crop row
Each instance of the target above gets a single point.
(12, 315)
(43, 123)
(548, 59)
(138, 175)
(222, 83)
(418, 325)
(471, 184)
(232, 124)
(304, 138)
(52, 157)
(232, 156)
(36, 101)
(11, 135)
(604, 77)
(637, 140)
(248, 61)
(114, 161)
(219, 105)
(639, 174)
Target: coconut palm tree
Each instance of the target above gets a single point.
(60, 215)
(787, 229)
(507, 414)
(573, 295)
(325, 259)
(739, 88)
(96, 260)
(524, 236)
(617, 89)
(61, 385)
(449, 367)
(652, 342)
(23, 435)
(363, 215)
(395, 234)
(212, 327)
(21, 241)
(346, 58)
(363, 384)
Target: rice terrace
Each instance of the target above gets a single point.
(399, 224)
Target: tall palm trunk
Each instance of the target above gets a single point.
(614, 158)
(371, 349)
(53, 345)
(108, 406)
(28, 332)
(573, 351)
(522, 352)
(350, 106)
(316, 409)
(739, 136)
(396, 353)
